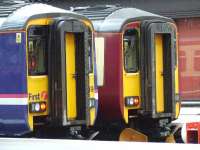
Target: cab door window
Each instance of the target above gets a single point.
(131, 45)
(37, 50)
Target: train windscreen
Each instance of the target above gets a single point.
(37, 50)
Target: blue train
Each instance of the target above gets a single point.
(47, 69)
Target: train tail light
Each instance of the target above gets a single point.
(132, 101)
(43, 106)
(37, 107)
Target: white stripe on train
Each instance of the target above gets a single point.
(13, 101)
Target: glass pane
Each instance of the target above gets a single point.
(131, 50)
(90, 52)
(99, 47)
(37, 51)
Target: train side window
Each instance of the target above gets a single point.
(131, 50)
(100, 48)
(90, 55)
(37, 50)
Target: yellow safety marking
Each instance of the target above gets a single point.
(92, 115)
(159, 73)
(178, 106)
(91, 85)
(176, 80)
(37, 85)
(131, 87)
(92, 95)
(70, 76)
(40, 21)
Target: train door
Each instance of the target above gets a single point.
(158, 62)
(68, 73)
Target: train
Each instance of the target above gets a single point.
(91, 69)
(139, 89)
(47, 71)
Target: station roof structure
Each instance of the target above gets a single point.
(110, 18)
(169, 8)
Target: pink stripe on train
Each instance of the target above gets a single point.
(13, 95)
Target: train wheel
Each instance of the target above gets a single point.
(129, 134)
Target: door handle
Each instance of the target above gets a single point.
(75, 75)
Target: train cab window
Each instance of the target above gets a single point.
(37, 50)
(131, 50)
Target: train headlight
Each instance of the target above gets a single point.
(92, 103)
(37, 107)
(132, 101)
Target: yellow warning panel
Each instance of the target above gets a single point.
(159, 73)
(70, 76)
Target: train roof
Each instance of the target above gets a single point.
(17, 16)
(112, 18)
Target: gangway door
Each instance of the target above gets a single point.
(68, 73)
(158, 61)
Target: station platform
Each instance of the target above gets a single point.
(52, 144)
